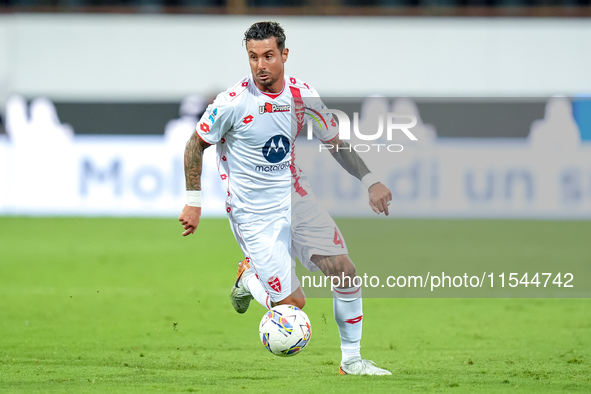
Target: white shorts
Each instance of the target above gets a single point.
(274, 242)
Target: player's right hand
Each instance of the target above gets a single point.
(190, 219)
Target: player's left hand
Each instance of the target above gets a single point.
(379, 198)
(189, 218)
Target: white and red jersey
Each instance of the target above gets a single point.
(255, 134)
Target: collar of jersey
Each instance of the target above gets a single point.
(272, 95)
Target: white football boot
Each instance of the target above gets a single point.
(357, 366)
(239, 295)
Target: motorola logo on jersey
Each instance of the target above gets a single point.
(276, 148)
(271, 108)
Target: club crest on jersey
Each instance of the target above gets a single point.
(276, 148)
(300, 111)
(272, 108)
(275, 283)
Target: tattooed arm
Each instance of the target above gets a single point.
(348, 158)
(193, 165)
(345, 155)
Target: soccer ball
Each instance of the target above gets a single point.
(285, 330)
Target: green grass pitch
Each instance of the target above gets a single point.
(128, 305)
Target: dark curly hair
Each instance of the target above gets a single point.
(264, 30)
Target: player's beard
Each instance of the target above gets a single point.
(268, 82)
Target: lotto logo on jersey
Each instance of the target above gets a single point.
(272, 108)
(276, 148)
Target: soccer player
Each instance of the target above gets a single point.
(273, 213)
